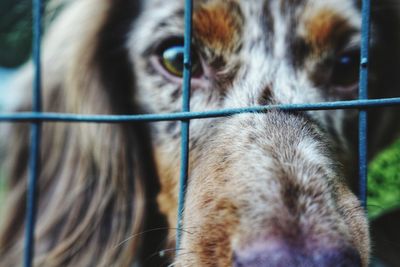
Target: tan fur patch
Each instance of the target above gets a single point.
(323, 27)
(216, 26)
(167, 198)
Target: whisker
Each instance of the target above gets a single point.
(149, 231)
(162, 253)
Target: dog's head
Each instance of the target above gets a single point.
(264, 189)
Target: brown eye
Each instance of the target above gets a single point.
(346, 69)
(172, 60)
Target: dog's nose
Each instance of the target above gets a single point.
(283, 255)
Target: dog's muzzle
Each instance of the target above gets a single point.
(266, 190)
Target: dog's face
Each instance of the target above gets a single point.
(264, 189)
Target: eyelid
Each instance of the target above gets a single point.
(163, 44)
(349, 47)
(351, 42)
(157, 47)
(166, 43)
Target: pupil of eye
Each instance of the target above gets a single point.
(346, 60)
(173, 60)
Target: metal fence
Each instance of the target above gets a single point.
(36, 117)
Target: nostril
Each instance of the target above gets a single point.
(265, 254)
(283, 255)
(343, 257)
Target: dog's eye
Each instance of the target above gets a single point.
(172, 60)
(346, 69)
(171, 56)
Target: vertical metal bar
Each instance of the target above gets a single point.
(187, 61)
(363, 94)
(35, 139)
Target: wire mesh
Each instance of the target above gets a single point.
(363, 94)
(37, 117)
(34, 161)
(187, 63)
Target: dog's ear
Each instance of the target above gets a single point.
(92, 180)
(100, 75)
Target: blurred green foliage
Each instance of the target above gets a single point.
(384, 181)
(15, 32)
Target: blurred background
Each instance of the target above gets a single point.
(15, 40)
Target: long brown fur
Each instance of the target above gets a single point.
(84, 196)
(108, 192)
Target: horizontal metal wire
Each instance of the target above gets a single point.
(67, 117)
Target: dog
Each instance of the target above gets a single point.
(271, 188)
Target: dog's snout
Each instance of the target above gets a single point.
(278, 254)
